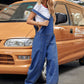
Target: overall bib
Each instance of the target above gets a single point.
(44, 46)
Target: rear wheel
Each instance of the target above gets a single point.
(81, 61)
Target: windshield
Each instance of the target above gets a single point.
(16, 12)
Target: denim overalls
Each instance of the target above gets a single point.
(44, 46)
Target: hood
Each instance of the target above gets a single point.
(15, 29)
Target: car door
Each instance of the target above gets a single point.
(78, 23)
(64, 36)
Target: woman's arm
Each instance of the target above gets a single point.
(32, 22)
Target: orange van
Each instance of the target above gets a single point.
(16, 36)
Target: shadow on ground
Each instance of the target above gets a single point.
(19, 79)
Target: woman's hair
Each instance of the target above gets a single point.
(51, 9)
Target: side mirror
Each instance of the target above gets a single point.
(60, 18)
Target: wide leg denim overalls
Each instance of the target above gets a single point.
(44, 45)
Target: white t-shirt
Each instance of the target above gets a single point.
(42, 10)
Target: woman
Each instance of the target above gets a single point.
(44, 43)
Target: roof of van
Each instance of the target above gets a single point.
(54, 0)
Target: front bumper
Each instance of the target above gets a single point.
(13, 65)
(14, 69)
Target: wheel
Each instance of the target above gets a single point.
(44, 70)
(42, 78)
(81, 61)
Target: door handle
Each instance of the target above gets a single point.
(71, 31)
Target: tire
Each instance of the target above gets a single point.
(42, 78)
(44, 70)
(81, 61)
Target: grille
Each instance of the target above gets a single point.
(6, 59)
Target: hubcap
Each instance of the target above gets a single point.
(44, 69)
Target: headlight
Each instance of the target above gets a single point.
(19, 42)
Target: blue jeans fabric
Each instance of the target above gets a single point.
(44, 45)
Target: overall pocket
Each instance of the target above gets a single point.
(39, 30)
(36, 43)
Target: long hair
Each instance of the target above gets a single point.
(50, 4)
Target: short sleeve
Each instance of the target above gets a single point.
(36, 7)
(39, 11)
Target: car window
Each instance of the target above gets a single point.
(61, 8)
(17, 12)
(8, 12)
(76, 14)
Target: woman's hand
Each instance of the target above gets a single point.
(46, 22)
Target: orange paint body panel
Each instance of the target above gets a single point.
(69, 40)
